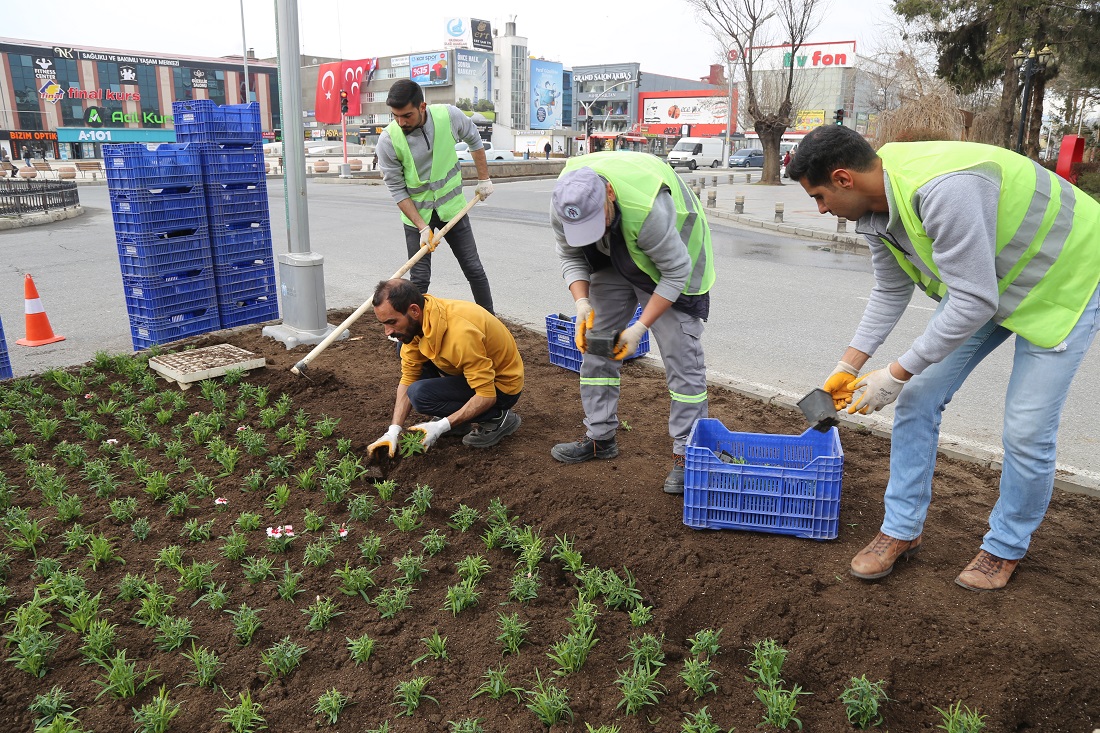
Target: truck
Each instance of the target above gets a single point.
(696, 151)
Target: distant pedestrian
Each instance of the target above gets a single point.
(4, 158)
(28, 156)
(546, 149)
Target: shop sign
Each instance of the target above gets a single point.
(481, 32)
(44, 68)
(198, 79)
(430, 69)
(106, 94)
(94, 116)
(808, 56)
(35, 136)
(51, 91)
(609, 75)
(125, 59)
(144, 118)
(113, 135)
(397, 61)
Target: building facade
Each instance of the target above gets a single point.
(64, 102)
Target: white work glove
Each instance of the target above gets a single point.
(880, 388)
(389, 440)
(431, 431)
(628, 340)
(840, 384)
(585, 317)
(426, 239)
(484, 188)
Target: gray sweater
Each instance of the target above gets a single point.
(658, 238)
(421, 141)
(959, 212)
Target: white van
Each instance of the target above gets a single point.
(696, 151)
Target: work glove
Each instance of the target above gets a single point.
(840, 384)
(880, 388)
(428, 239)
(484, 188)
(628, 340)
(431, 431)
(585, 317)
(389, 440)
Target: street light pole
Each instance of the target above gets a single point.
(1029, 65)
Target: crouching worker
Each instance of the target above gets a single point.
(459, 365)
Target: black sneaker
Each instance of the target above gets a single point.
(674, 482)
(487, 434)
(585, 450)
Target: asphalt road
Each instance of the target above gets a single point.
(782, 312)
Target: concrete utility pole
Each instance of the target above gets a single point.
(301, 272)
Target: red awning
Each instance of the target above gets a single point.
(634, 138)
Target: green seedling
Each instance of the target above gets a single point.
(246, 622)
(460, 597)
(464, 518)
(701, 722)
(99, 641)
(245, 717)
(525, 587)
(258, 569)
(565, 553)
(330, 704)
(360, 648)
(466, 725)
(282, 658)
(355, 581)
(141, 528)
(410, 694)
(767, 662)
(698, 676)
(391, 601)
(861, 700)
(102, 551)
(496, 685)
(513, 632)
(53, 705)
(548, 702)
(121, 679)
(411, 568)
(313, 521)
(405, 519)
(705, 642)
(640, 689)
(437, 648)
(156, 715)
(641, 615)
(321, 613)
(411, 444)
(361, 507)
(385, 489)
(961, 719)
(780, 705)
(572, 651)
(370, 547)
(172, 632)
(207, 665)
(234, 546)
(319, 552)
(216, 598)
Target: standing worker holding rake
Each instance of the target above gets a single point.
(416, 153)
(629, 231)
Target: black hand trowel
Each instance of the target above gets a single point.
(818, 408)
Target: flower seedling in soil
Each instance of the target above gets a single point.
(641, 615)
(335, 489)
(172, 631)
(196, 531)
(234, 546)
(472, 568)
(409, 694)
(513, 632)
(326, 426)
(280, 538)
(277, 500)
(207, 665)
(50, 705)
(370, 547)
(313, 521)
(355, 581)
(282, 658)
(466, 725)
(156, 715)
(321, 613)
(525, 587)
(385, 489)
(216, 598)
(330, 704)
(319, 552)
(961, 719)
(245, 717)
(780, 705)
(410, 566)
(360, 648)
(248, 521)
(571, 652)
(258, 569)
(548, 702)
(307, 478)
(639, 688)
(496, 685)
(698, 676)
(141, 528)
(411, 444)
(121, 679)
(701, 722)
(279, 466)
(620, 592)
(464, 518)
(705, 643)
(437, 648)
(405, 519)
(861, 701)
(767, 662)
(564, 552)
(246, 622)
(460, 597)
(99, 640)
(102, 551)
(433, 542)
(122, 510)
(391, 601)
(361, 507)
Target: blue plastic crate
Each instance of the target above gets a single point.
(149, 332)
(137, 166)
(788, 484)
(5, 361)
(148, 256)
(159, 297)
(229, 165)
(169, 213)
(233, 282)
(560, 338)
(242, 203)
(249, 310)
(202, 121)
(241, 241)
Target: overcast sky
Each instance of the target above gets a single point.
(665, 37)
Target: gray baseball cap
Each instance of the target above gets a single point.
(579, 200)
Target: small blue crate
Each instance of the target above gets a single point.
(788, 484)
(242, 203)
(228, 165)
(172, 212)
(132, 166)
(5, 361)
(150, 332)
(561, 335)
(241, 241)
(203, 121)
(249, 310)
(162, 296)
(148, 256)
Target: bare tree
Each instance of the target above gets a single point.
(745, 26)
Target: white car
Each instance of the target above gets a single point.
(491, 153)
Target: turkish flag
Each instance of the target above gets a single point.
(327, 106)
(353, 76)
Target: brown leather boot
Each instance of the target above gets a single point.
(987, 572)
(877, 559)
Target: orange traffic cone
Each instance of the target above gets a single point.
(39, 332)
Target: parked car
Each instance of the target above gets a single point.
(747, 158)
(491, 153)
(696, 151)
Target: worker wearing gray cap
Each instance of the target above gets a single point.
(629, 231)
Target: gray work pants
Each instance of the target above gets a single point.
(461, 241)
(679, 337)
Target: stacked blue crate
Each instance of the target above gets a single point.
(5, 362)
(164, 252)
(234, 178)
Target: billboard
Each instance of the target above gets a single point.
(840, 54)
(474, 83)
(808, 119)
(468, 33)
(704, 112)
(546, 79)
(430, 69)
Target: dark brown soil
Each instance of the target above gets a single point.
(1027, 657)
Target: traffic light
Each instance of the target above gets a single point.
(343, 102)
(638, 81)
(588, 127)
(839, 117)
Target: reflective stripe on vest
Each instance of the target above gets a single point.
(637, 179)
(443, 192)
(1047, 257)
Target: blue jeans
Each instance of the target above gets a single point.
(461, 241)
(1037, 391)
(439, 395)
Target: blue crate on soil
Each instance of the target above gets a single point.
(229, 165)
(149, 332)
(241, 241)
(788, 484)
(147, 256)
(166, 295)
(168, 213)
(249, 276)
(5, 362)
(242, 203)
(249, 310)
(203, 121)
(134, 166)
(560, 335)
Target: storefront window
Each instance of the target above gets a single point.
(150, 96)
(181, 84)
(216, 90)
(25, 87)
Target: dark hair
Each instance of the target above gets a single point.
(400, 293)
(403, 93)
(826, 148)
